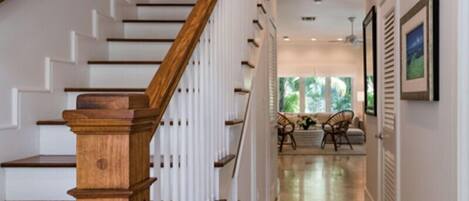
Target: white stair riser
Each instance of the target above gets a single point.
(122, 76)
(152, 30)
(72, 97)
(164, 12)
(137, 51)
(59, 140)
(41, 183)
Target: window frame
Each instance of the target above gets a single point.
(327, 92)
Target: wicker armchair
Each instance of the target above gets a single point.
(285, 129)
(336, 127)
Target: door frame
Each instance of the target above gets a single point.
(384, 9)
(463, 99)
(271, 143)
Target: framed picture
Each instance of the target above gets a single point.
(420, 52)
(370, 62)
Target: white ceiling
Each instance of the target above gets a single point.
(331, 19)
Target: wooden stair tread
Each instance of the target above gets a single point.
(261, 6)
(234, 122)
(242, 90)
(134, 90)
(91, 89)
(224, 161)
(69, 161)
(248, 64)
(165, 40)
(60, 122)
(47, 161)
(57, 122)
(165, 4)
(258, 23)
(254, 42)
(125, 62)
(152, 21)
(38, 161)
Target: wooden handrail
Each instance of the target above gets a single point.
(166, 79)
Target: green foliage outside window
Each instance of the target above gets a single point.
(335, 91)
(315, 90)
(289, 94)
(341, 93)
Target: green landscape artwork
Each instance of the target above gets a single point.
(415, 54)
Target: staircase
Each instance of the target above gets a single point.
(201, 124)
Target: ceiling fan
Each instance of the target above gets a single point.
(352, 38)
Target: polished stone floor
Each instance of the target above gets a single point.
(321, 178)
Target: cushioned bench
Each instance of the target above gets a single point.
(356, 136)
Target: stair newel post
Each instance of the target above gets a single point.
(113, 146)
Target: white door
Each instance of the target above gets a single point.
(389, 67)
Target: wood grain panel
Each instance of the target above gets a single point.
(113, 145)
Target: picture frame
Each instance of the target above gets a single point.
(420, 52)
(370, 62)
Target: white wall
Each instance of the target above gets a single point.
(44, 46)
(322, 59)
(256, 175)
(428, 130)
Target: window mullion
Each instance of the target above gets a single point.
(327, 95)
(302, 95)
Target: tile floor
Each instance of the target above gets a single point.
(321, 178)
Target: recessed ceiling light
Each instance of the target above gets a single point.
(340, 39)
(318, 1)
(308, 18)
(286, 38)
(314, 39)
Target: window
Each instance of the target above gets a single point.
(315, 91)
(341, 94)
(315, 94)
(289, 94)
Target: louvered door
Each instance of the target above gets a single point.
(389, 166)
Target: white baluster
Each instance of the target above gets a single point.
(211, 76)
(156, 165)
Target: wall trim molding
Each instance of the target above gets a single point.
(463, 99)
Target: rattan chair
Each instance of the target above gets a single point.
(336, 127)
(285, 129)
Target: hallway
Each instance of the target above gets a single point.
(321, 178)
